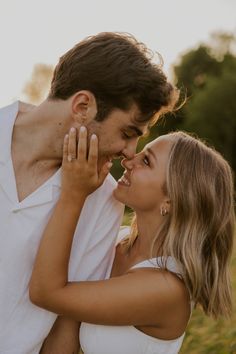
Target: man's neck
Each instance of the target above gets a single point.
(39, 132)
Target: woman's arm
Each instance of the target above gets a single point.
(80, 177)
(140, 297)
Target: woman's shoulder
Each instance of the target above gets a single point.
(165, 295)
(162, 280)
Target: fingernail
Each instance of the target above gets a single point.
(109, 165)
(72, 130)
(93, 136)
(82, 129)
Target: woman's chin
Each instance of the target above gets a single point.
(121, 196)
(118, 195)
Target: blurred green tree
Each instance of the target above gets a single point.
(211, 113)
(207, 75)
(194, 68)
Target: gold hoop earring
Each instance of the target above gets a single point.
(164, 212)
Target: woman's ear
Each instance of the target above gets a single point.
(83, 107)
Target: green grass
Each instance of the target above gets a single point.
(206, 336)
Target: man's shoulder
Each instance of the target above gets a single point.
(7, 117)
(5, 109)
(108, 186)
(103, 199)
(19, 106)
(110, 182)
(25, 107)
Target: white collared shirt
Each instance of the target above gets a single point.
(23, 326)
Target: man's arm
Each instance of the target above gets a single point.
(63, 337)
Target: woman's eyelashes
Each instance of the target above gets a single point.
(146, 160)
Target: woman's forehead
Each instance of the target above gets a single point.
(162, 142)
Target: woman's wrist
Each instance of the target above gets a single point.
(71, 200)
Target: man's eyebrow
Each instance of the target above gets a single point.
(138, 131)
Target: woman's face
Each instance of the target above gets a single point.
(141, 186)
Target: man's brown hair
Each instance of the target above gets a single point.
(118, 70)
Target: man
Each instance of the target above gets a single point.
(107, 83)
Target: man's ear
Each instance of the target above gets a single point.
(83, 107)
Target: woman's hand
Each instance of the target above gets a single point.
(80, 175)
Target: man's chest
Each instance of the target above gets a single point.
(28, 182)
(30, 179)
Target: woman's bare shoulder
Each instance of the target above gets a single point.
(165, 292)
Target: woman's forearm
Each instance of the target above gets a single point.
(51, 266)
(80, 177)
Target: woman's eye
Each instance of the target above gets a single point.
(146, 160)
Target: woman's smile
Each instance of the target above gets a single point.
(124, 180)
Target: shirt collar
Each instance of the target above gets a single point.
(7, 118)
(56, 178)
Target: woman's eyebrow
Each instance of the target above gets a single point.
(150, 151)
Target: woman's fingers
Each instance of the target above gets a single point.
(72, 145)
(65, 148)
(80, 163)
(93, 153)
(82, 145)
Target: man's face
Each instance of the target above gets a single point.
(118, 134)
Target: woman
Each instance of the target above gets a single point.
(176, 256)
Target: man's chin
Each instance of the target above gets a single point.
(102, 161)
(105, 159)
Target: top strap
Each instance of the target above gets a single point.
(160, 262)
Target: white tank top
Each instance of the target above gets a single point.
(98, 339)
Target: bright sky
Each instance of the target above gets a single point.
(34, 32)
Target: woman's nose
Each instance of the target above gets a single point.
(127, 163)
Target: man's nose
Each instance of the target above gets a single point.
(130, 149)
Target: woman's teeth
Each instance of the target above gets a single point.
(124, 180)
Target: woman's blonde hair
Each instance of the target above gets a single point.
(199, 230)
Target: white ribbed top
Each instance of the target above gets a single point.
(98, 339)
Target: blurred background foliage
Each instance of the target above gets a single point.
(206, 76)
